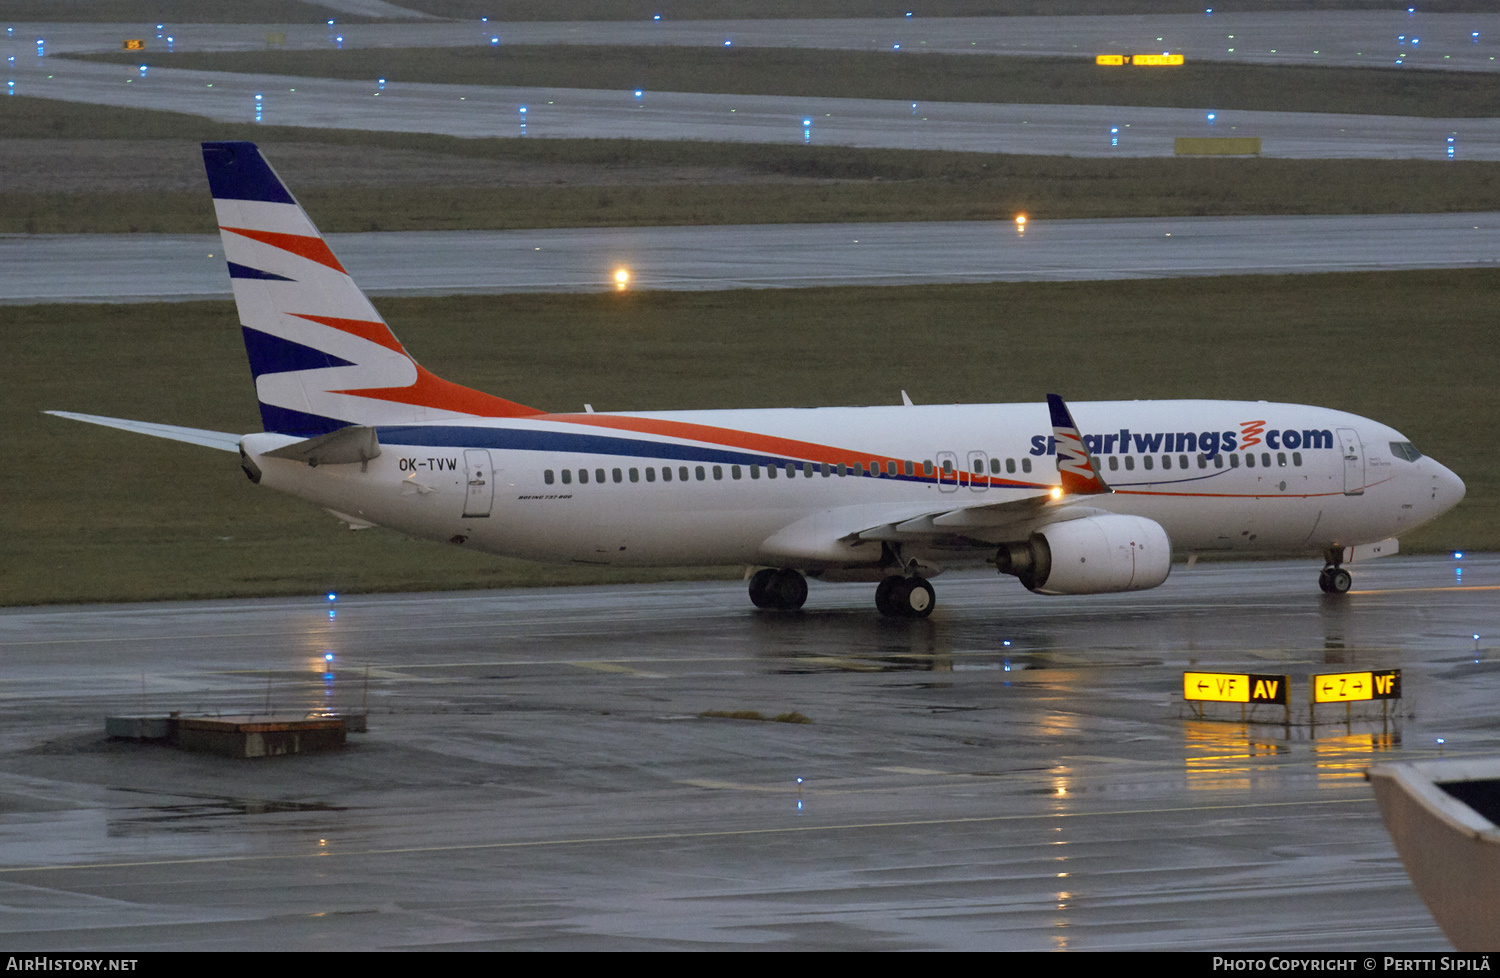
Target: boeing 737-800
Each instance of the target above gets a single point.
(1082, 500)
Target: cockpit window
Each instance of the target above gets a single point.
(1406, 450)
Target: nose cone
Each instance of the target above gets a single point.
(1447, 489)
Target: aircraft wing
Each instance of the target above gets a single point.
(981, 522)
(222, 440)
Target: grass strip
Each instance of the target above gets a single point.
(904, 76)
(94, 514)
(780, 184)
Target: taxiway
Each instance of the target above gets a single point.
(544, 768)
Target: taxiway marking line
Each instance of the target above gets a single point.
(1422, 590)
(1363, 799)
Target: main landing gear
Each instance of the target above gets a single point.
(905, 597)
(1334, 579)
(778, 590)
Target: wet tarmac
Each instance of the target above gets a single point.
(148, 267)
(499, 111)
(543, 769)
(1349, 38)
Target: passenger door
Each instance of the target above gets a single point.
(1354, 462)
(481, 483)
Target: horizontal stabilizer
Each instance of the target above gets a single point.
(222, 440)
(356, 443)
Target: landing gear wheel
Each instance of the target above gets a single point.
(1335, 580)
(778, 590)
(905, 597)
(760, 588)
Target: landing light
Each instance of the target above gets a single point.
(1057, 492)
(622, 279)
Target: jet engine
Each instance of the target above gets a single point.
(1095, 555)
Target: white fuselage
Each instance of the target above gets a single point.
(1228, 476)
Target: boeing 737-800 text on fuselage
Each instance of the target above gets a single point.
(1085, 500)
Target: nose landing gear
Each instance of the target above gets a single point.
(1334, 579)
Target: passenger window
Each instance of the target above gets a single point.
(1249, 460)
(599, 475)
(1010, 466)
(772, 472)
(890, 469)
(1265, 460)
(618, 475)
(1218, 461)
(755, 471)
(651, 474)
(1114, 463)
(947, 467)
(734, 471)
(979, 466)
(1025, 465)
(1148, 462)
(842, 470)
(911, 468)
(1202, 461)
(1166, 461)
(1234, 461)
(547, 477)
(791, 470)
(718, 473)
(567, 477)
(1281, 460)
(700, 473)
(666, 473)
(1297, 459)
(583, 476)
(1129, 463)
(927, 467)
(807, 470)
(825, 469)
(682, 473)
(994, 466)
(635, 475)
(1182, 461)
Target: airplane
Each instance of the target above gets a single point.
(889, 495)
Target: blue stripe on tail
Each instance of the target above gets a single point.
(236, 171)
(275, 355)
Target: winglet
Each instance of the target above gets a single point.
(1079, 471)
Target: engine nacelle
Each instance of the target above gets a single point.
(1096, 555)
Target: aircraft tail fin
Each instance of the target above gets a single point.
(322, 357)
(1076, 465)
